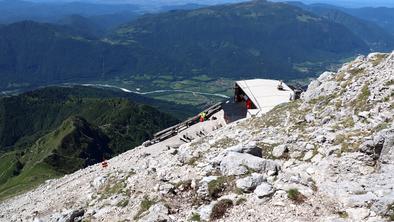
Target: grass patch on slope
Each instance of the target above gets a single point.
(27, 180)
(145, 204)
(361, 102)
(9, 166)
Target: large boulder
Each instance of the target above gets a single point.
(370, 148)
(387, 152)
(69, 215)
(318, 88)
(264, 190)
(186, 154)
(157, 212)
(205, 211)
(325, 76)
(280, 151)
(234, 163)
(250, 148)
(98, 182)
(215, 209)
(249, 183)
(203, 188)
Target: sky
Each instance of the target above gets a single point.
(346, 3)
(354, 3)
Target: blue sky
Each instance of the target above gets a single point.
(355, 3)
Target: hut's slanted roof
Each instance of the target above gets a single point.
(265, 94)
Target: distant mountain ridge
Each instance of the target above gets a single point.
(95, 26)
(40, 54)
(376, 37)
(19, 10)
(252, 38)
(246, 40)
(382, 16)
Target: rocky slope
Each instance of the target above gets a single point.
(326, 157)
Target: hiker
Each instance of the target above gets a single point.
(202, 116)
(280, 86)
(248, 104)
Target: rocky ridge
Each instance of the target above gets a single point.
(326, 157)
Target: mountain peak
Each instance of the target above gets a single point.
(257, 38)
(76, 122)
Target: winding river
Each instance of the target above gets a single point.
(158, 91)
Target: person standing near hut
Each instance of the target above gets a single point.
(248, 104)
(202, 116)
(280, 85)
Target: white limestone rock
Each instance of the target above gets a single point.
(249, 148)
(264, 190)
(317, 89)
(98, 182)
(309, 118)
(203, 185)
(205, 211)
(249, 183)
(157, 212)
(240, 163)
(326, 76)
(309, 155)
(358, 214)
(280, 151)
(387, 153)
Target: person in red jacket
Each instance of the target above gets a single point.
(248, 104)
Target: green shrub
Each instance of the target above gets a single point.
(378, 59)
(220, 208)
(240, 201)
(361, 102)
(145, 204)
(123, 203)
(215, 187)
(390, 212)
(343, 214)
(195, 217)
(185, 184)
(295, 195)
(356, 71)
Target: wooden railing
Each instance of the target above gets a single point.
(174, 130)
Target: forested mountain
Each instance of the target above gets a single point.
(96, 26)
(57, 130)
(189, 6)
(252, 39)
(39, 54)
(377, 38)
(83, 26)
(25, 117)
(382, 16)
(256, 38)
